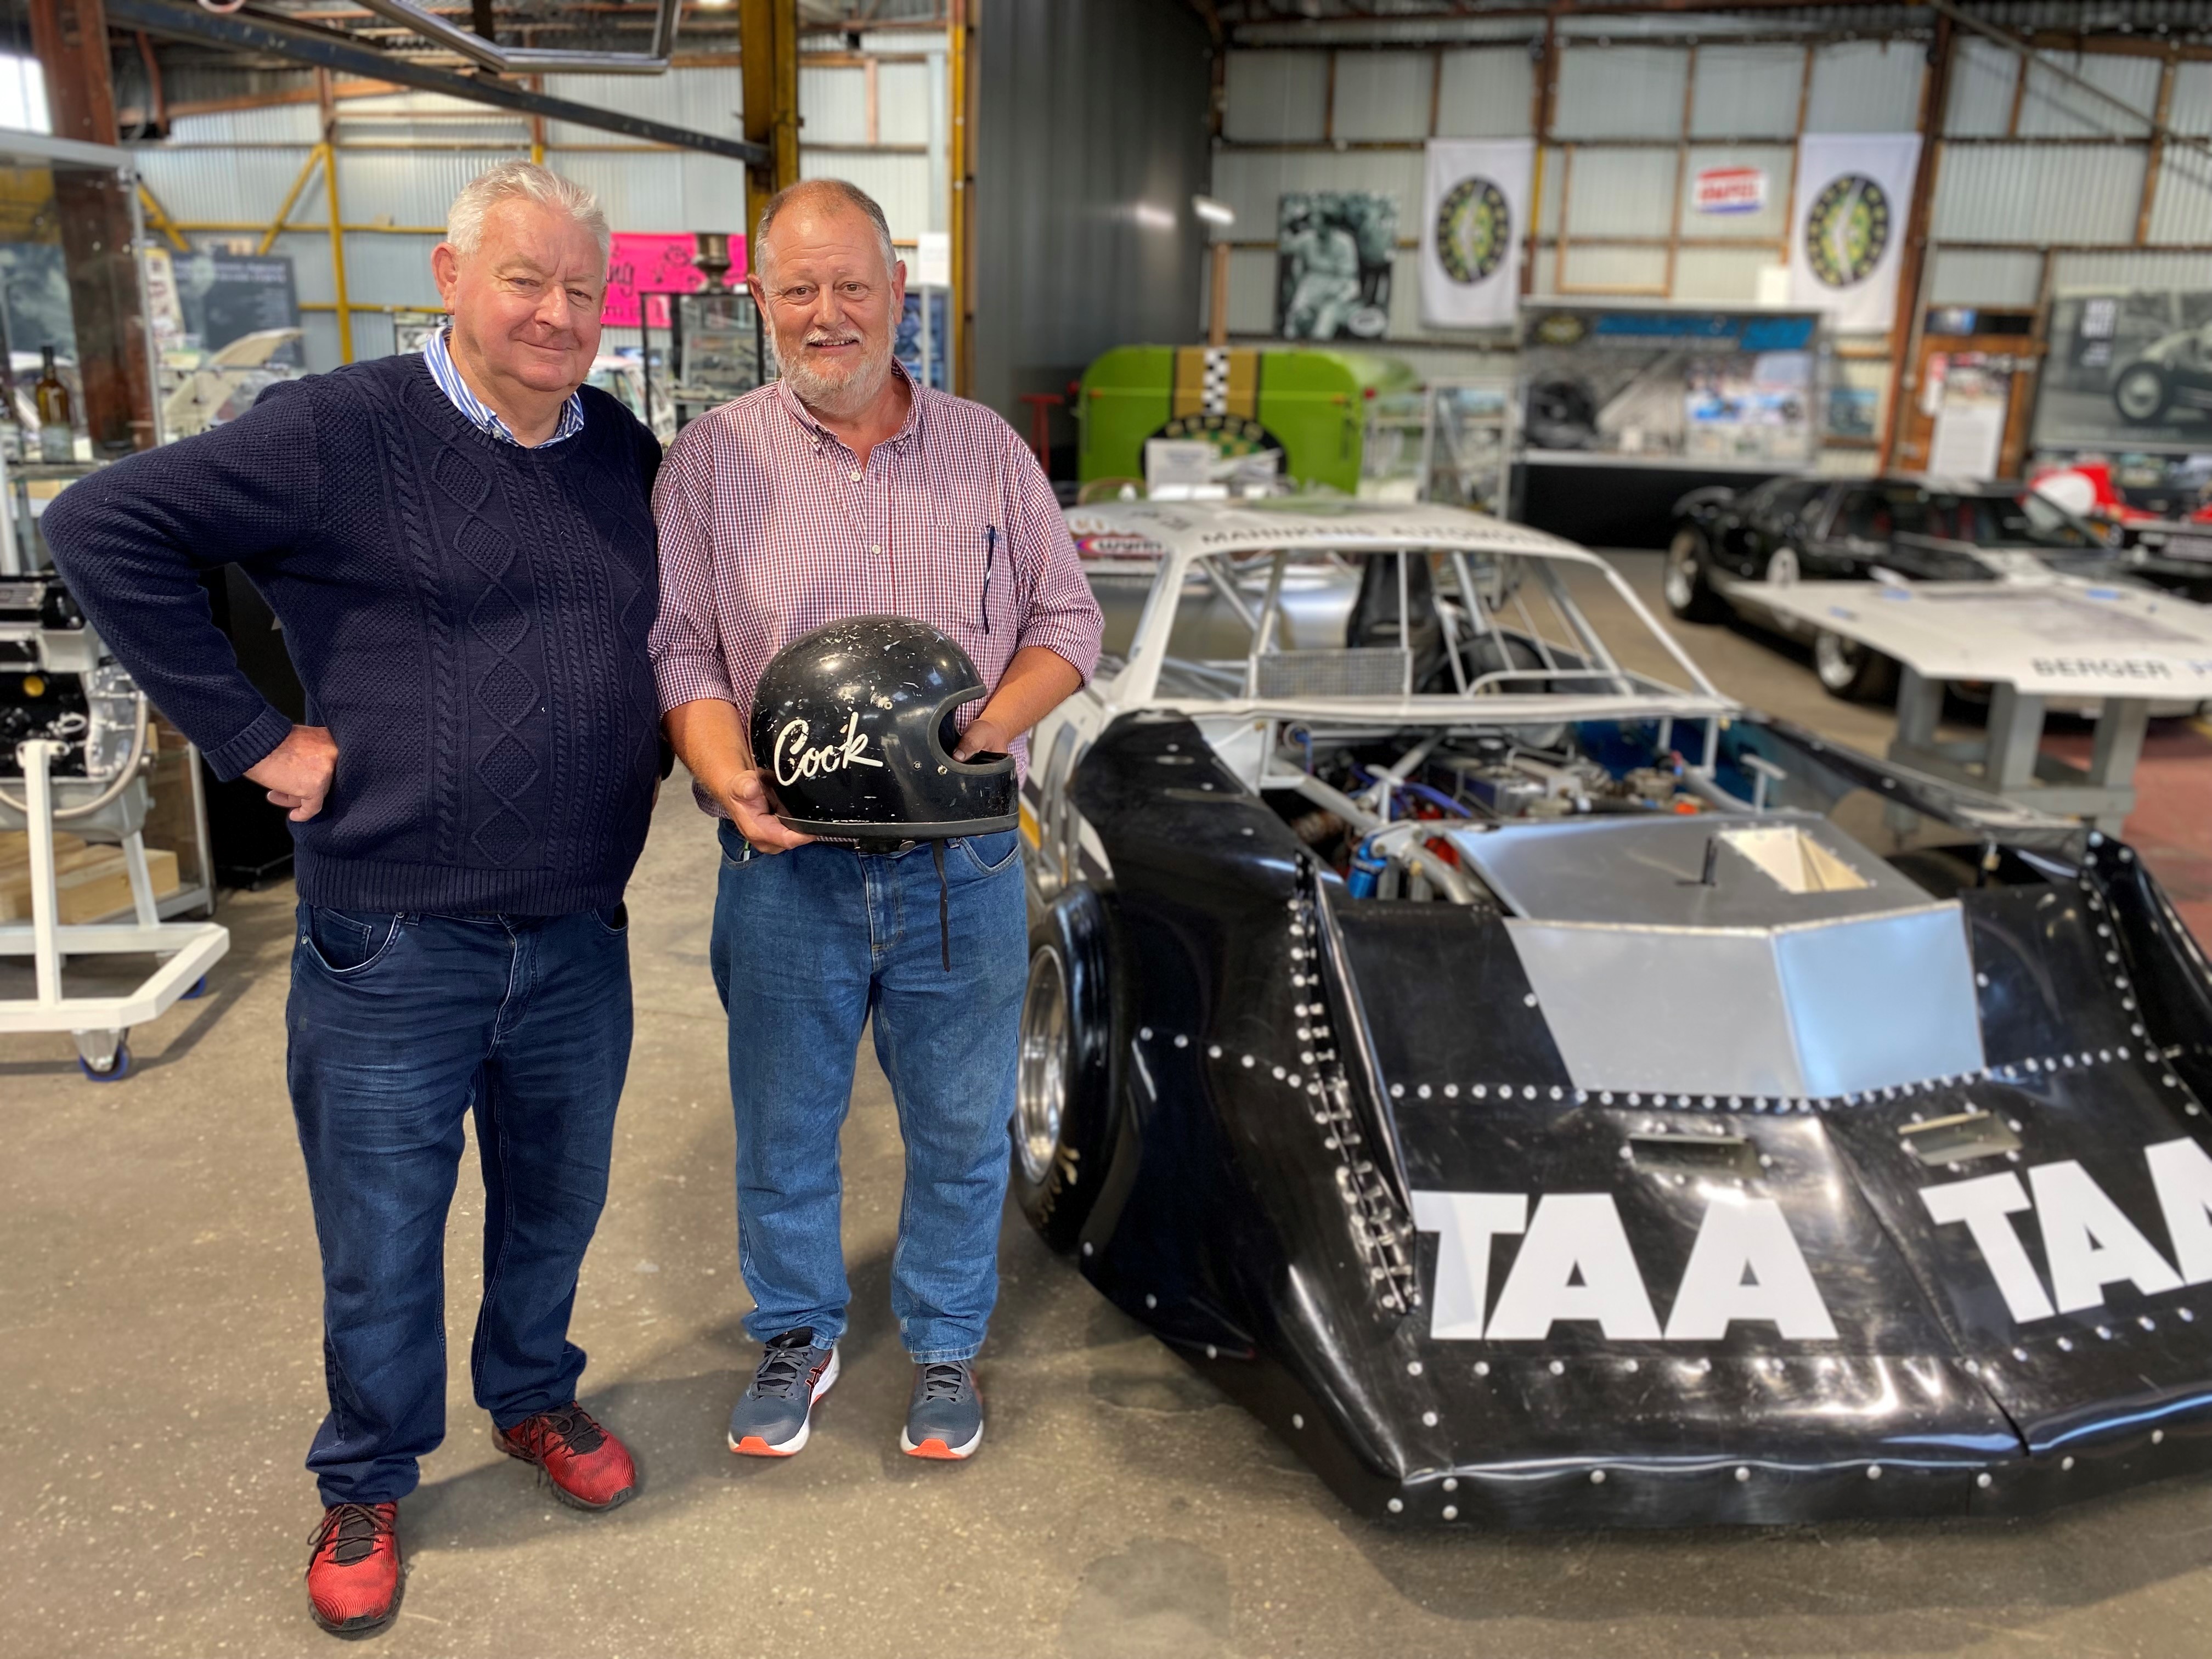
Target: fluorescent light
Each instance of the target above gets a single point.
(1214, 212)
(1153, 218)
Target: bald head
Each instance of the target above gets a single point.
(813, 200)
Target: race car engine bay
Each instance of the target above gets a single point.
(1371, 805)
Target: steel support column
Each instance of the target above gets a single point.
(1912, 262)
(768, 45)
(96, 210)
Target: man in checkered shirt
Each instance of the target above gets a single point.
(845, 489)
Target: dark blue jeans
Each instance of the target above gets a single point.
(807, 946)
(400, 1025)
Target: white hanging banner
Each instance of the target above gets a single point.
(1472, 228)
(1847, 241)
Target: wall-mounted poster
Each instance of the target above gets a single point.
(1333, 254)
(657, 266)
(2129, 369)
(226, 296)
(1474, 221)
(1848, 240)
(1665, 387)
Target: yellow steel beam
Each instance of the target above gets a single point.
(291, 196)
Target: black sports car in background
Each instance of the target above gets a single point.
(1851, 529)
(2170, 374)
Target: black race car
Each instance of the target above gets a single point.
(1548, 1094)
(1726, 542)
(2172, 372)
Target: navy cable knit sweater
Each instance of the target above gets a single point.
(468, 619)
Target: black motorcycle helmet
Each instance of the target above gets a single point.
(852, 724)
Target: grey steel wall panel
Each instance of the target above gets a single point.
(388, 270)
(1621, 92)
(1984, 277)
(1276, 95)
(1984, 76)
(1090, 110)
(899, 182)
(1779, 161)
(703, 99)
(1641, 269)
(410, 187)
(228, 186)
(2191, 108)
(1746, 92)
(2125, 268)
(1253, 181)
(1252, 294)
(835, 101)
(1865, 86)
(1486, 93)
(2038, 194)
(1721, 275)
(2053, 108)
(906, 102)
(1382, 94)
(279, 123)
(2183, 210)
(1622, 192)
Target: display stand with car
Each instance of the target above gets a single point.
(1547, 1093)
(1731, 550)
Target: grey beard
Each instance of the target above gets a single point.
(841, 398)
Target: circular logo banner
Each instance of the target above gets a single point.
(1475, 230)
(1847, 230)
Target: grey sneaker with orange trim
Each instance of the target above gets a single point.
(773, 1417)
(944, 1418)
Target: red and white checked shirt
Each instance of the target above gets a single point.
(770, 529)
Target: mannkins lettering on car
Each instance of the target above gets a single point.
(856, 723)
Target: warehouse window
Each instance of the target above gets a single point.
(22, 94)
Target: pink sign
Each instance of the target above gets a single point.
(656, 266)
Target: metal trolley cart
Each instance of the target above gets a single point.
(76, 760)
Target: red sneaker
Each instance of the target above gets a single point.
(353, 1576)
(590, 1469)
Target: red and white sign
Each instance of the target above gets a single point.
(656, 265)
(1730, 189)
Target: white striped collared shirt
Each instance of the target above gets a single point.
(447, 374)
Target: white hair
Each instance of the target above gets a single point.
(522, 181)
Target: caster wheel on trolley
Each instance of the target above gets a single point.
(117, 1068)
(198, 990)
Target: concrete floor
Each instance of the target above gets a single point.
(158, 1357)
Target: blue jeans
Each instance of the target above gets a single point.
(808, 945)
(398, 1025)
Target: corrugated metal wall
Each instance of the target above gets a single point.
(1092, 140)
(1633, 123)
(402, 159)
(2023, 168)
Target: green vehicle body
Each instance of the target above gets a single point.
(1312, 403)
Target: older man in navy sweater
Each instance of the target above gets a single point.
(459, 546)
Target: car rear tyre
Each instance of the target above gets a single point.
(1849, 671)
(1689, 594)
(2140, 393)
(1063, 1086)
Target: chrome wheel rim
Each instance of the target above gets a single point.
(1836, 661)
(2138, 395)
(1041, 1081)
(1682, 571)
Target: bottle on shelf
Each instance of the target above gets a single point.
(56, 428)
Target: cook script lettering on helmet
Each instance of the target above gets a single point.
(794, 760)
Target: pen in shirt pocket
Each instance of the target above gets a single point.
(990, 554)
